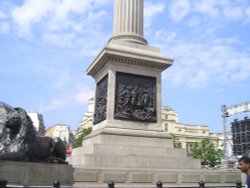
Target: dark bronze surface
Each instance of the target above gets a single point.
(135, 97)
(101, 100)
(19, 141)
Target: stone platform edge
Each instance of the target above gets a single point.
(85, 176)
(35, 174)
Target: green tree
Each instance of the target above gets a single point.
(206, 152)
(176, 142)
(79, 139)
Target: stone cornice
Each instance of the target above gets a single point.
(129, 56)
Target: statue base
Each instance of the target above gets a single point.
(35, 174)
(136, 158)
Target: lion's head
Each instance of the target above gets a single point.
(19, 127)
(13, 121)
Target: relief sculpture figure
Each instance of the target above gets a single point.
(135, 103)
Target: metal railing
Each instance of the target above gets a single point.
(111, 184)
(201, 184)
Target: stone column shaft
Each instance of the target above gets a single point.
(128, 21)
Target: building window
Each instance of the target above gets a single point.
(166, 116)
(189, 146)
(179, 130)
(166, 127)
(203, 132)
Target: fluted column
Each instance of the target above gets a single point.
(128, 21)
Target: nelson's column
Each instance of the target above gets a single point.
(128, 144)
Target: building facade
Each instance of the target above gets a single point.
(62, 131)
(38, 122)
(87, 120)
(187, 134)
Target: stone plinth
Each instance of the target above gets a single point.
(146, 177)
(131, 149)
(123, 57)
(136, 158)
(28, 173)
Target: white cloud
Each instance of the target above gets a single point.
(199, 78)
(247, 13)
(74, 33)
(207, 7)
(179, 9)
(150, 10)
(66, 7)
(59, 22)
(4, 24)
(62, 79)
(197, 65)
(4, 27)
(54, 104)
(31, 12)
(212, 10)
(233, 13)
(193, 21)
(164, 35)
(2, 15)
(61, 39)
(84, 95)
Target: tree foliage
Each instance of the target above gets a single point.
(206, 152)
(176, 142)
(79, 139)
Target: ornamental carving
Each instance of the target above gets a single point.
(101, 100)
(135, 97)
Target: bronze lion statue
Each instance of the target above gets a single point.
(19, 141)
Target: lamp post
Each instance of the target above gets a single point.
(224, 117)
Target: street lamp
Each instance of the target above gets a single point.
(224, 117)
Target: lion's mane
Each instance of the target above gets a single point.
(20, 141)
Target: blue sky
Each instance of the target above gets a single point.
(46, 47)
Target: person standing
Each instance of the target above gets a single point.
(244, 167)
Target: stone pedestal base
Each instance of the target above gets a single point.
(133, 158)
(147, 177)
(39, 174)
(122, 148)
(136, 158)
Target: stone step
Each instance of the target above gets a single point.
(105, 149)
(136, 161)
(138, 138)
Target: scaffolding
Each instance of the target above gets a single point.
(228, 112)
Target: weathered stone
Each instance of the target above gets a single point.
(168, 178)
(30, 173)
(142, 178)
(231, 178)
(212, 178)
(85, 175)
(191, 177)
(117, 177)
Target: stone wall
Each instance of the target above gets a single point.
(35, 174)
(148, 177)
